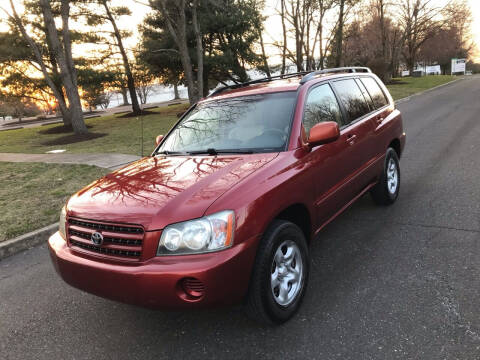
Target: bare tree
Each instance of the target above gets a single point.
(380, 6)
(61, 54)
(128, 71)
(339, 34)
(452, 40)
(199, 48)
(260, 5)
(296, 13)
(458, 17)
(284, 32)
(144, 81)
(305, 20)
(419, 20)
(323, 6)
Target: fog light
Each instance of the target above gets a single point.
(194, 288)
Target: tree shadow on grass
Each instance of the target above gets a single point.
(132, 115)
(396, 82)
(72, 138)
(62, 129)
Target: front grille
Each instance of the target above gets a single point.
(109, 227)
(104, 250)
(107, 239)
(119, 241)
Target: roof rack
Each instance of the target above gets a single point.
(258, 81)
(347, 69)
(307, 75)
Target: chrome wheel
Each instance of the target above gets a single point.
(287, 273)
(392, 176)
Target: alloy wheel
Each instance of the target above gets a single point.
(286, 273)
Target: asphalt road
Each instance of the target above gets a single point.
(386, 283)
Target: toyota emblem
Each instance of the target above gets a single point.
(97, 238)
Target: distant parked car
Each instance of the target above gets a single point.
(225, 208)
(8, 118)
(418, 73)
(469, 72)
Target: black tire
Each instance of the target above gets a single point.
(262, 304)
(382, 193)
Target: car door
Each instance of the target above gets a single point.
(381, 116)
(358, 134)
(325, 162)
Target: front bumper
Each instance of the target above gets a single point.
(156, 283)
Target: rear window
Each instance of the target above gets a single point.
(376, 93)
(351, 98)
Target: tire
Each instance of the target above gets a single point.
(268, 301)
(385, 192)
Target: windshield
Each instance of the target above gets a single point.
(257, 123)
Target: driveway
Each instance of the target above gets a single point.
(401, 282)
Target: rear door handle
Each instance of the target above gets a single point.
(380, 120)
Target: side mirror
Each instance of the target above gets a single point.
(159, 139)
(323, 133)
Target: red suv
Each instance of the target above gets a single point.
(224, 210)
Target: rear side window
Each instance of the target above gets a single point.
(321, 105)
(365, 93)
(376, 93)
(352, 99)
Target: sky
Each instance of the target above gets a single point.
(475, 7)
(272, 25)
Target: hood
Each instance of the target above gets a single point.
(157, 191)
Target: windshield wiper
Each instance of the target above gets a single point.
(212, 151)
(167, 152)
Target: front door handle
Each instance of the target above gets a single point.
(351, 138)
(380, 120)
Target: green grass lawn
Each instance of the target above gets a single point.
(32, 194)
(403, 87)
(114, 134)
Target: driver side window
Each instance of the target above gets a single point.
(321, 105)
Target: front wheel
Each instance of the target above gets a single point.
(280, 274)
(385, 192)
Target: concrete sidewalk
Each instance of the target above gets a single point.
(105, 160)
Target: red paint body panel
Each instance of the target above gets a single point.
(155, 283)
(157, 191)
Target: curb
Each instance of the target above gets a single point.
(12, 128)
(407, 98)
(26, 241)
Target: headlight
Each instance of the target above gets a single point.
(61, 223)
(207, 234)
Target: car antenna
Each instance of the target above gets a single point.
(141, 135)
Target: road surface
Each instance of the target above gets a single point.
(401, 282)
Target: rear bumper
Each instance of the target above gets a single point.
(156, 283)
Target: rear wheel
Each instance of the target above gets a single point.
(387, 189)
(280, 274)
